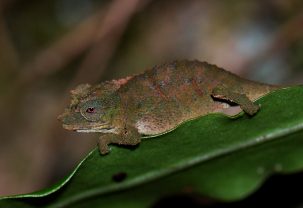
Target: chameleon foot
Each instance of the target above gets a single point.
(241, 99)
(129, 136)
(104, 141)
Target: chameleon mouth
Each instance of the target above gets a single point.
(99, 129)
(75, 122)
(88, 128)
(105, 130)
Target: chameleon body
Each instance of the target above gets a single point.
(157, 101)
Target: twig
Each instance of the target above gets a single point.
(9, 57)
(62, 52)
(106, 40)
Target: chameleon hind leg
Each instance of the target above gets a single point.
(128, 136)
(241, 99)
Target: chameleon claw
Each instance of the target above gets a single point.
(103, 148)
(252, 110)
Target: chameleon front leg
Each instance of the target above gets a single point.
(128, 136)
(241, 99)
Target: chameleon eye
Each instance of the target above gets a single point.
(90, 110)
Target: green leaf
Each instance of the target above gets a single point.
(214, 155)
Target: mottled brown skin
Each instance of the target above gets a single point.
(157, 101)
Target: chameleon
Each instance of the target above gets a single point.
(157, 101)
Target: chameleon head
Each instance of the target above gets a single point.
(91, 110)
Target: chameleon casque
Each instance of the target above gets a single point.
(157, 101)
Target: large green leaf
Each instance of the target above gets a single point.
(214, 155)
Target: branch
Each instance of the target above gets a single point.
(62, 52)
(107, 39)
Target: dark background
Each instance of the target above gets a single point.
(48, 47)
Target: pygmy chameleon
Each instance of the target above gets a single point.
(157, 101)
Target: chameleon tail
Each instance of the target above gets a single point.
(255, 90)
